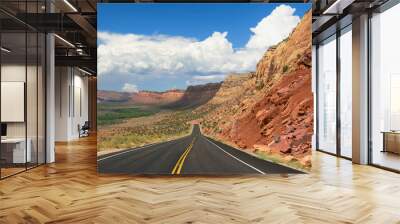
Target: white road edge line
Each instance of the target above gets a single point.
(130, 150)
(236, 158)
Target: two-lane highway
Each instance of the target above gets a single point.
(191, 155)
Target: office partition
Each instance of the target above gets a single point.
(385, 89)
(327, 95)
(22, 77)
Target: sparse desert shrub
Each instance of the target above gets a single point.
(173, 126)
(285, 68)
(259, 85)
(111, 115)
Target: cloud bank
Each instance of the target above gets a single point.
(146, 56)
(130, 88)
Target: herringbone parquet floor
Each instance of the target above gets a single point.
(71, 191)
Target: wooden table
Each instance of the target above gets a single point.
(391, 141)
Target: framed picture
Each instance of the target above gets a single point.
(204, 89)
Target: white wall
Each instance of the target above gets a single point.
(80, 110)
(33, 126)
(71, 94)
(62, 82)
(12, 73)
(16, 73)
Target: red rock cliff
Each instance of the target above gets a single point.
(271, 109)
(150, 97)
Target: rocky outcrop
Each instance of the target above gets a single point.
(197, 95)
(292, 54)
(159, 98)
(141, 97)
(112, 96)
(282, 120)
(270, 110)
(192, 97)
(231, 88)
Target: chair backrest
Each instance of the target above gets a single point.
(86, 125)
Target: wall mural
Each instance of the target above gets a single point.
(204, 89)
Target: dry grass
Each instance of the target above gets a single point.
(141, 131)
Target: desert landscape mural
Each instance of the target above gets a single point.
(250, 114)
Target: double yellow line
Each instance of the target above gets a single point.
(178, 166)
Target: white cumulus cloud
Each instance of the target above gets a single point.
(202, 79)
(130, 88)
(273, 28)
(159, 55)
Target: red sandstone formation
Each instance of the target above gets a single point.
(270, 110)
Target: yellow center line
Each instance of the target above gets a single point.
(180, 159)
(178, 166)
(183, 160)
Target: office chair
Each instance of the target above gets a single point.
(84, 130)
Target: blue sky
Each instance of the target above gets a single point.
(159, 25)
(190, 20)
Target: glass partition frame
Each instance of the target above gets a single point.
(375, 40)
(30, 55)
(337, 149)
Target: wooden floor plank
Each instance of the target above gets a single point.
(71, 191)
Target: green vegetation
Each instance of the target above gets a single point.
(157, 128)
(259, 85)
(211, 125)
(285, 68)
(115, 113)
(286, 39)
(133, 139)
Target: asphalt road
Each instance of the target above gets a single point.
(191, 155)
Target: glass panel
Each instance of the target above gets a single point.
(32, 88)
(327, 95)
(23, 90)
(31, 98)
(346, 92)
(41, 99)
(13, 87)
(385, 86)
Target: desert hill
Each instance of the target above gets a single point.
(141, 97)
(272, 109)
(196, 95)
(159, 98)
(193, 96)
(104, 96)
